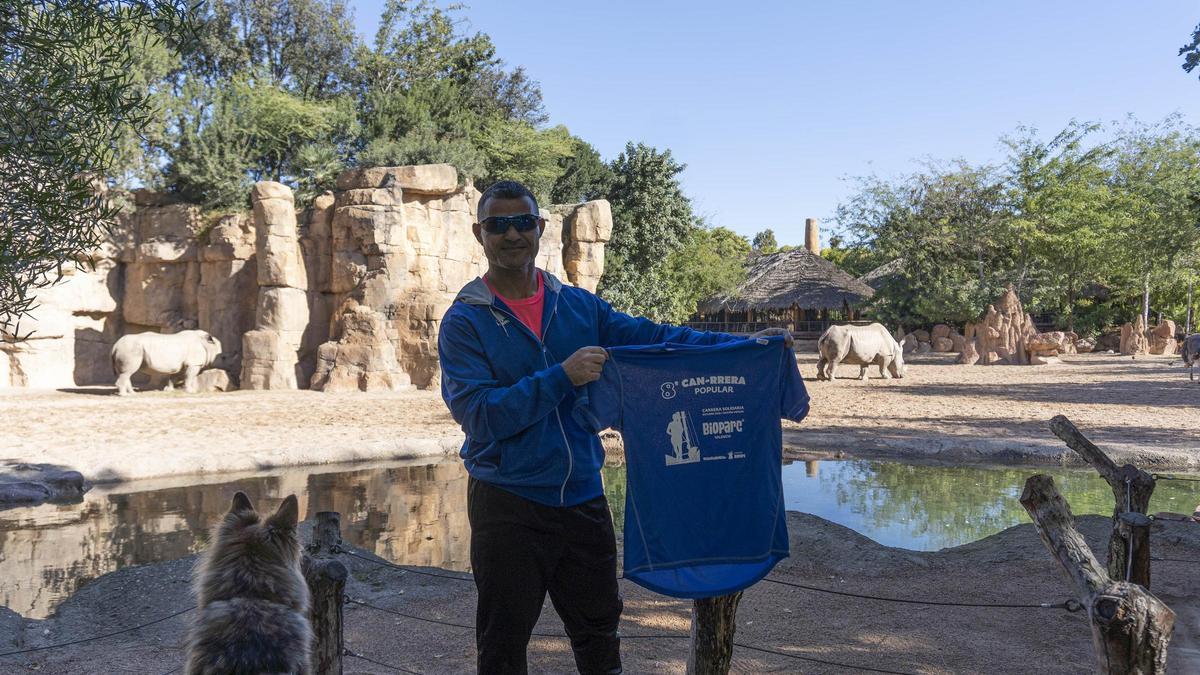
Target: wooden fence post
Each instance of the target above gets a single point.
(1131, 488)
(1130, 627)
(1135, 531)
(713, 623)
(326, 577)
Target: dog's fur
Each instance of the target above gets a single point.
(252, 613)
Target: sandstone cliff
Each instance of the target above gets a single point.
(343, 293)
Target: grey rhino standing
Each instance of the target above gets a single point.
(188, 351)
(1191, 354)
(860, 346)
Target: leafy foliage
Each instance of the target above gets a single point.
(764, 242)
(1081, 229)
(585, 176)
(71, 94)
(652, 218)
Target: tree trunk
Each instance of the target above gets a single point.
(1187, 326)
(713, 624)
(1131, 488)
(1146, 302)
(1131, 628)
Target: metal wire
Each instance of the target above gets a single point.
(346, 651)
(99, 637)
(1069, 605)
(813, 659)
(384, 563)
(676, 636)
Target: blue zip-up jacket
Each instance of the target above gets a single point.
(514, 400)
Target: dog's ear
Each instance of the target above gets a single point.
(287, 515)
(241, 503)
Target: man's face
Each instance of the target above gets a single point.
(512, 250)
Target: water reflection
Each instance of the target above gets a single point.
(416, 514)
(926, 508)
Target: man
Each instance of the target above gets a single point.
(514, 347)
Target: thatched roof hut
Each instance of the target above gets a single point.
(879, 276)
(795, 279)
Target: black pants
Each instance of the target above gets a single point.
(519, 551)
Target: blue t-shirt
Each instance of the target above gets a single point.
(704, 509)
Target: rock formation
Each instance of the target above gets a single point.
(1001, 336)
(1133, 338)
(1162, 338)
(273, 285)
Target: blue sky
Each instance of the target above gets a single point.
(773, 105)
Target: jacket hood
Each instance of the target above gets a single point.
(477, 292)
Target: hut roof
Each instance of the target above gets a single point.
(878, 276)
(796, 277)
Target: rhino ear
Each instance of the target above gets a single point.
(287, 515)
(241, 503)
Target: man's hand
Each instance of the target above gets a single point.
(584, 365)
(767, 332)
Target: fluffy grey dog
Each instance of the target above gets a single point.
(252, 615)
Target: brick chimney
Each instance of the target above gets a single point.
(812, 236)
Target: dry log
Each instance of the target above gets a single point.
(1131, 628)
(1131, 488)
(713, 623)
(326, 577)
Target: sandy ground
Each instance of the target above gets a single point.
(1142, 410)
(1011, 567)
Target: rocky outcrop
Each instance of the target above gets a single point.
(586, 228)
(396, 240)
(1001, 336)
(1133, 338)
(1162, 338)
(271, 351)
(362, 358)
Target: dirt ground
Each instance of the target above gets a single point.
(1011, 567)
(1143, 410)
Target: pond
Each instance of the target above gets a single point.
(415, 514)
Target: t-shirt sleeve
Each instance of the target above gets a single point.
(793, 400)
(598, 404)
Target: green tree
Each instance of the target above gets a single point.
(652, 218)
(428, 92)
(244, 131)
(585, 176)
(305, 47)
(1156, 180)
(764, 242)
(1060, 204)
(1191, 52)
(950, 226)
(71, 95)
(711, 261)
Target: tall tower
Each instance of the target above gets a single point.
(812, 236)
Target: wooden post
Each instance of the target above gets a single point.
(1130, 627)
(1131, 488)
(1135, 531)
(713, 623)
(326, 577)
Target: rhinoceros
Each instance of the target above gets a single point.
(1191, 354)
(188, 351)
(861, 346)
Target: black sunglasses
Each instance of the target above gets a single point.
(499, 224)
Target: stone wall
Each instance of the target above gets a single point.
(345, 293)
